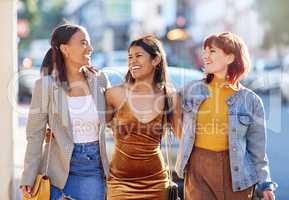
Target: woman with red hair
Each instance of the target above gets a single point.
(222, 151)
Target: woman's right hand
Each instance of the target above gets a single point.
(48, 135)
(26, 190)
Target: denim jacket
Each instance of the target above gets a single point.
(246, 132)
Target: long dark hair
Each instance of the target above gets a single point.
(154, 48)
(54, 60)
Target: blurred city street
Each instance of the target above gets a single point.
(181, 26)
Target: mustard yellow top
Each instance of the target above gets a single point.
(212, 118)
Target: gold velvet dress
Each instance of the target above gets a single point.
(137, 169)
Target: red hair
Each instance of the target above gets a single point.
(230, 44)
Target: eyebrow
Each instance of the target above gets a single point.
(211, 47)
(138, 52)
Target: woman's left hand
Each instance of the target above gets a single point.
(268, 195)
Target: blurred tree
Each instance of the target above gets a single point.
(273, 14)
(43, 16)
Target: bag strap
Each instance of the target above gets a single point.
(168, 151)
(166, 132)
(48, 154)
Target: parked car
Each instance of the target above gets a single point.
(268, 76)
(26, 80)
(285, 82)
(98, 59)
(263, 77)
(27, 75)
(117, 58)
(113, 58)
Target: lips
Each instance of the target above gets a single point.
(207, 62)
(135, 67)
(206, 66)
(87, 56)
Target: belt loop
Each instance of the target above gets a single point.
(82, 148)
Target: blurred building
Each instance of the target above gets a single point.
(181, 24)
(212, 16)
(106, 21)
(152, 16)
(197, 19)
(89, 14)
(112, 24)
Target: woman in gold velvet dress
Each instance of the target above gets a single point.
(136, 110)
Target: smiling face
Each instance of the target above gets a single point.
(78, 50)
(141, 64)
(216, 61)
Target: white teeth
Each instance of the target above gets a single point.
(135, 67)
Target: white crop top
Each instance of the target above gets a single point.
(84, 119)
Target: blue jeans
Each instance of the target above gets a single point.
(86, 177)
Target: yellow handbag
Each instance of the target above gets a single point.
(41, 187)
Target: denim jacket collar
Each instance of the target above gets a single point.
(205, 93)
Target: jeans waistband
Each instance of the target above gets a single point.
(86, 147)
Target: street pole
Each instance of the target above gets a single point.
(8, 62)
